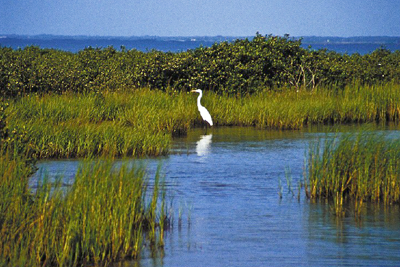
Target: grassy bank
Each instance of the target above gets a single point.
(122, 124)
(143, 122)
(353, 170)
(103, 217)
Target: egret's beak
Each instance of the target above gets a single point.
(193, 91)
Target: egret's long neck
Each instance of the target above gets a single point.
(198, 99)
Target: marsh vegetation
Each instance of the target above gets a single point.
(354, 169)
(104, 216)
(143, 122)
(103, 103)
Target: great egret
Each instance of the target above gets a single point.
(203, 111)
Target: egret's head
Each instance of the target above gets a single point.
(196, 91)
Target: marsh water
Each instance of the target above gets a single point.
(236, 203)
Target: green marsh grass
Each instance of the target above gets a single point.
(103, 217)
(143, 122)
(134, 123)
(293, 110)
(354, 169)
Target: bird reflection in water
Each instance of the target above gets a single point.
(203, 145)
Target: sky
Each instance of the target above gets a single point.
(341, 18)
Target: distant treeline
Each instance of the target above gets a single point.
(239, 67)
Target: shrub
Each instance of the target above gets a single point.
(239, 67)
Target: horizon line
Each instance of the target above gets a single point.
(191, 36)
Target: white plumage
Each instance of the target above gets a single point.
(203, 111)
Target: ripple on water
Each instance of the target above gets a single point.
(227, 187)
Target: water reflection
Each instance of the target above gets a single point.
(231, 180)
(370, 240)
(203, 145)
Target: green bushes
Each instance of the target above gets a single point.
(243, 66)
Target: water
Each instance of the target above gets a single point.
(351, 48)
(77, 44)
(227, 184)
(177, 44)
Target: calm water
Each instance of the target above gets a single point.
(74, 44)
(227, 185)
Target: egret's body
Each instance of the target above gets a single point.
(203, 111)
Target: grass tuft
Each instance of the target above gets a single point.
(354, 169)
(102, 218)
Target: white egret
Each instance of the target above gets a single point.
(203, 111)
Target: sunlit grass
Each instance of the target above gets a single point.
(293, 110)
(354, 169)
(103, 217)
(143, 122)
(134, 123)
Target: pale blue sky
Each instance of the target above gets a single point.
(201, 17)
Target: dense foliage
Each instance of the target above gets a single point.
(243, 66)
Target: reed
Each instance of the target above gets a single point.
(103, 217)
(130, 123)
(143, 122)
(293, 110)
(354, 170)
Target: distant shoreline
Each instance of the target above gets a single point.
(218, 38)
(176, 44)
